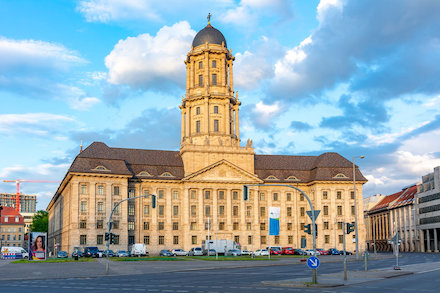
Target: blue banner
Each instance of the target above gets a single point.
(274, 221)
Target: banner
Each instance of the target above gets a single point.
(37, 245)
(274, 221)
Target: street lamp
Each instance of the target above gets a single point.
(355, 207)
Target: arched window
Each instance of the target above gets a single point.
(293, 178)
(166, 174)
(144, 173)
(271, 177)
(340, 175)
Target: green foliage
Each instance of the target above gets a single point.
(40, 222)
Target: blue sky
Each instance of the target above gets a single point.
(353, 77)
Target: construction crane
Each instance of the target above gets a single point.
(18, 181)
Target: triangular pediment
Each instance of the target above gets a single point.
(223, 171)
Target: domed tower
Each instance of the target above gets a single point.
(210, 120)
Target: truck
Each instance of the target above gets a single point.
(219, 245)
(14, 253)
(139, 249)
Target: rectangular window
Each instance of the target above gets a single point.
(131, 192)
(83, 206)
(207, 211)
(248, 211)
(146, 225)
(326, 239)
(115, 190)
(161, 210)
(235, 211)
(237, 239)
(161, 225)
(221, 210)
(99, 239)
(146, 192)
(249, 239)
(235, 226)
(277, 239)
(341, 238)
(100, 207)
(117, 239)
(215, 109)
(301, 226)
(214, 64)
(193, 210)
(147, 239)
(207, 194)
(235, 195)
(215, 125)
(352, 195)
(200, 64)
(301, 197)
(325, 210)
(289, 196)
(193, 194)
(83, 189)
(214, 79)
(131, 226)
(100, 190)
(290, 239)
(275, 196)
(248, 226)
(116, 207)
(82, 239)
(302, 211)
(289, 226)
(175, 240)
(262, 211)
(221, 226)
(324, 195)
(200, 80)
(193, 226)
(83, 224)
(175, 210)
(175, 194)
(99, 224)
(325, 225)
(289, 211)
(352, 211)
(131, 207)
(115, 224)
(198, 111)
(161, 194)
(263, 239)
(262, 226)
(175, 226)
(194, 240)
(339, 208)
(340, 225)
(338, 194)
(261, 196)
(146, 210)
(198, 126)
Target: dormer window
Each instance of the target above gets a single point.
(166, 174)
(271, 177)
(340, 175)
(292, 178)
(101, 168)
(144, 173)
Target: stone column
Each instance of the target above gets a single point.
(237, 128)
(428, 241)
(435, 240)
(226, 119)
(183, 124)
(422, 240)
(206, 129)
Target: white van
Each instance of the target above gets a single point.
(14, 252)
(139, 249)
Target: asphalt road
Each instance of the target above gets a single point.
(245, 279)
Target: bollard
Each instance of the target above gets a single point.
(366, 260)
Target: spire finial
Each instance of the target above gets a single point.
(209, 18)
(81, 149)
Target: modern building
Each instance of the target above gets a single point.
(394, 214)
(199, 188)
(428, 208)
(12, 228)
(28, 206)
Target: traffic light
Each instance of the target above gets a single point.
(350, 228)
(307, 228)
(153, 201)
(107, 236)
(245, 193)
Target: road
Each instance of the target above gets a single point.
(244, 279)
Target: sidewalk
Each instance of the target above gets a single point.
(355, 277)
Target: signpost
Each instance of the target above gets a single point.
(313, 262)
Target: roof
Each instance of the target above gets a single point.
(395, 200)
(10, 213)
(208, 34)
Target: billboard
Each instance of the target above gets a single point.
(37, 245)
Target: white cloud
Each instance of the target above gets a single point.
(149, 61)
(264, 113)
(77, 98)
(251, 69)
(328, 6)
(109, 10)
(32, 123)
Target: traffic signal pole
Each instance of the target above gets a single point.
(313, 217)
(109, 226)
(345, 255)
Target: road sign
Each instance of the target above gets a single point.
(309, 213)
(313, 262)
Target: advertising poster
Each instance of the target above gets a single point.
(274, 221)
(37, 245)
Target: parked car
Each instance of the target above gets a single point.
(62, 254)
(179, 252)
(210, 252)
(346, 252)
(91, 251)
(195, 251)
(233, 252)
(311, 252)
(287, 251)
(77, 253)
(165, 252)
(299, 252)
(333, 251)
(261, 252)
(275, 251)
(322, 251)
(139, 249)
(122, 253)
(110, 253)
(245, 252)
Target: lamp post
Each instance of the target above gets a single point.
(355, 207)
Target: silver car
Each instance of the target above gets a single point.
(233, 252)
(195, 251)
(179, 252)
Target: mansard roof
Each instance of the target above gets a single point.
(131, 162)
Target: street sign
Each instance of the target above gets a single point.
(309, 213)
(313, 262)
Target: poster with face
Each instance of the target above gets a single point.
(37, 245)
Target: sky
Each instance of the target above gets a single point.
(354, 77)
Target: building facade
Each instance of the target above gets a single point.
(12, 228)
(395, 213)
(199, 188)
(428, 208)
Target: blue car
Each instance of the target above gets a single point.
(334, 251)
(62, 254)
(166, 253)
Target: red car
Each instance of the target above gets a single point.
(275, 251)
(287, 251)
(322, 251)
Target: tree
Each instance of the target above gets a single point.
(40, 222)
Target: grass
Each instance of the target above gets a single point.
(228, 258)
(155, 258)
(52, 260)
